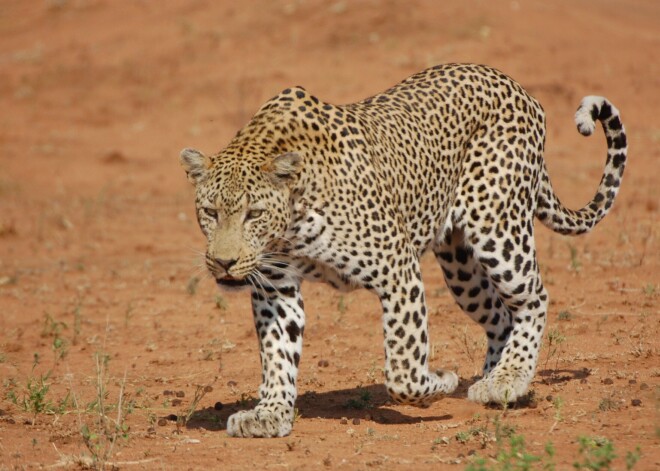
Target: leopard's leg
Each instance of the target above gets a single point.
(280, 321)
(405, 327)
(518, 285)
(474, 293)
(495, 209)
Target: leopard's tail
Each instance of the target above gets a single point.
(566, 221)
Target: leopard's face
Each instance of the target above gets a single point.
(243, 210)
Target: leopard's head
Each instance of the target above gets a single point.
(243, 209)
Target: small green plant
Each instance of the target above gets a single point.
(77, 320)
(503, 430)
(565, 316)
(60, 348)
(128, 314)
(649, 290)
(632, 457)
(221, 302)
(372, 374)
(555, 341)
(104, 434)
(34, 398)
(246, 400)
(53, 328)
(191, 286)
(480, 433)
(341, 305)
(183, 418)
(576, 265)
(608, 403)
(463, 437)
(596, 453)
(363, 401)
(516, 457)
(468, 344)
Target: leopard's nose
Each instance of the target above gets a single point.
(226, 263)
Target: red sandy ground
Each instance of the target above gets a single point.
(98, 242)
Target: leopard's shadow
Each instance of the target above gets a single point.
(365, 402)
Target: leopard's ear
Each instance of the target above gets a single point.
(195, 164)
(284, 169)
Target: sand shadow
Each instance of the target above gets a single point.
(563, 376)
(365, 402)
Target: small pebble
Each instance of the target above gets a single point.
(343, 421)
(643, 386)
(151, 431)
(324, 363)
(180, 394)
(172, 417)
(176, 402)
(167, 392)
(472, 452)
(162, 422)
(632, 381)
(218, 406)
(548, 398)
(232, 384)
(608, 381)
(583, 381)
(356, 421)
(208, 389)
(636, 402)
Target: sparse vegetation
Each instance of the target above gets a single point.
(184, 417)
(77, 321)
(511, 454)
(575, 265)
(596, 453)
(221, 302)
(565, 316)
(471, 345)
(247, 401)
(104, 434)
(650, 290)
(555, 341)
(53, 329)
(608, 404)
(191, 286)
(33, 399)
(341, 305)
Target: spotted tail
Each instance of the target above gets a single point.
(567, 221)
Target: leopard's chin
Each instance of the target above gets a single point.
(232, 284)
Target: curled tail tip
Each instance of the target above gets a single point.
(587, 114)
(592, 109)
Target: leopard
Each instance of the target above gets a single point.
(448, 161)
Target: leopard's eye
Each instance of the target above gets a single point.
(254, 214)
(210, 212)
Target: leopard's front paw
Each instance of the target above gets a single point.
(498, 387)
(259, 423)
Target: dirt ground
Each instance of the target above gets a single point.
(105, 311)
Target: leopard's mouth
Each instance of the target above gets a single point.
(231, 282)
